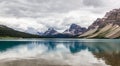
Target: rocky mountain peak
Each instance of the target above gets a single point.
(74, 26)
(106, 27)
(75, 29)
(50, 31)
(112, 16)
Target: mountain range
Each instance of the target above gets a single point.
(73, 31)
(106, 27)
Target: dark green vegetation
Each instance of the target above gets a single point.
(112, 59)
(8, 32)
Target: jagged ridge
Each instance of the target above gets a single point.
(106, 27)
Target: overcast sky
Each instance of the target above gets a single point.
(38, 15)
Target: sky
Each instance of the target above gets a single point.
(38, 15)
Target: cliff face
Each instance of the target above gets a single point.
(110, 17)
(106, 27)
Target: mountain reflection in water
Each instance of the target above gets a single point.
(57, 52)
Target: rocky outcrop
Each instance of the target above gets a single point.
(110, 17)
(106, 27)
(89, 32)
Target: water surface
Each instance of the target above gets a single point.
(59, 52)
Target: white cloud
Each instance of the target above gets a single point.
(39, 15)
(22, 24)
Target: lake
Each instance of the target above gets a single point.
(59, 52)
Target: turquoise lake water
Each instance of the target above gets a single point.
(74, 45)
(60, 49)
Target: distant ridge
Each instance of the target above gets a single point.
(9, 32)
(73, 31)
